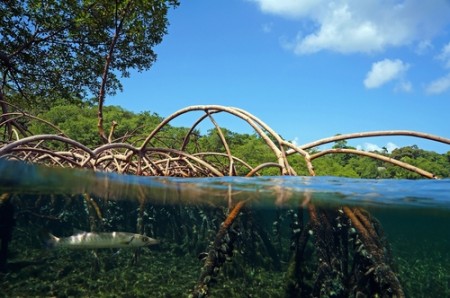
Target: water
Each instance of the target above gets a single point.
(293, 236)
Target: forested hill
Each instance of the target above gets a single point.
(79, 123)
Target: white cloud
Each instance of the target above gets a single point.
(391, 147)
(439, 86)
(349, 26)
(404, 86)
(341, 31)
(385, 71)
(288, 8)
(369, 147)
(445, 55)
(373, 147)
(423, 47)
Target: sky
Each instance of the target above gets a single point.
(309, 69)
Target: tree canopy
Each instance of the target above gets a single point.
(75, 50)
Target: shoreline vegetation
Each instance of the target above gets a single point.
(217, 152)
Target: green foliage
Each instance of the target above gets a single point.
(342, 144)
(79, 121)
(58, 49)
(433, 162)
(332, 166)
(253, 150)
(173, 137)
(364, 167)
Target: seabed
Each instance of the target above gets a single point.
(244, 269)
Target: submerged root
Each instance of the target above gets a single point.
(220, 249)
(373, 273)
(346, 257)
(330, 274)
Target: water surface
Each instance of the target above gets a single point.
(412, 218)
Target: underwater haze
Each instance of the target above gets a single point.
(278, 236)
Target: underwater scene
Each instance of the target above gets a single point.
(79, 233)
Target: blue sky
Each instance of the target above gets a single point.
(309, 69)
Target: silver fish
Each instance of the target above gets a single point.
(90, 240)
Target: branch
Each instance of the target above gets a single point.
(260, 127)
(109, 57)
(373, 134)
(377, 156)
(231, 171)
(6, 149)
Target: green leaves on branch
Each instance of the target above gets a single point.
(78, 121)
(57, 49)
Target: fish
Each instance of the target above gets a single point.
(91, 240)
